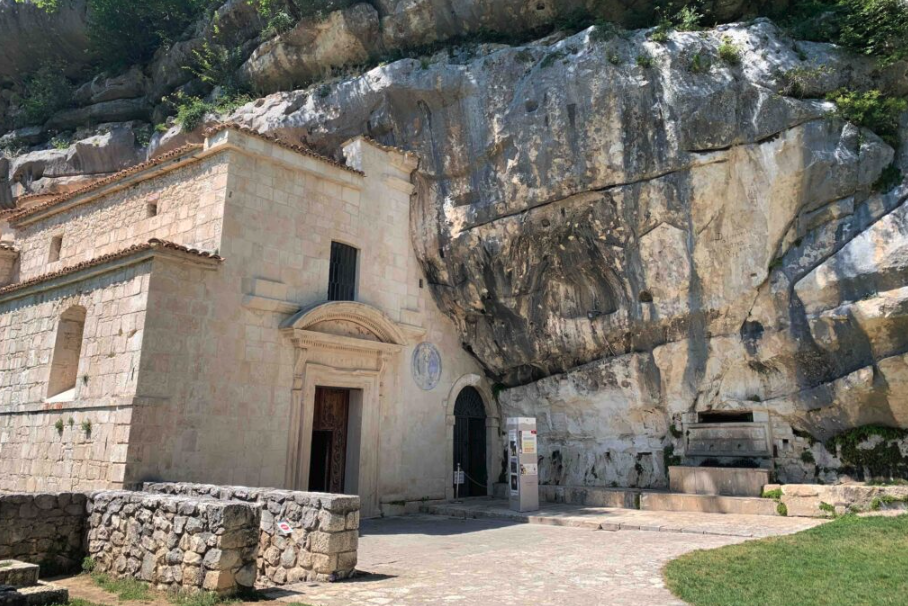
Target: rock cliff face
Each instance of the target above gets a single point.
(626, 246)
(628, 234)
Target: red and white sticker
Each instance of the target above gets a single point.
(285, 527)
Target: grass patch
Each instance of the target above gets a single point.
(849, 561)
(729, 52)
(125, 589)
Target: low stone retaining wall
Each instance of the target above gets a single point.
(174, 542)
(822, 501)
(45, 528)
(319, 544)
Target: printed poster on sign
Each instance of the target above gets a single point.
(512, 442)
(529, 469)
(528, 442)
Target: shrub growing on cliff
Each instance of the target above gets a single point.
(124, 33)
(46, 92)
(876, 27)
(282, 15)
(729, 52)
(872, 110)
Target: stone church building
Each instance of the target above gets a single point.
(238, 312)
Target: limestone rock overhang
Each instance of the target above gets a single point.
(386, 334)
(154, 248)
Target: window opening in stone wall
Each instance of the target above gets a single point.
(726, 417)
(56, 246)
(151, 210)
(342, 273)
(67, 349)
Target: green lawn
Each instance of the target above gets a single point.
(849, 562)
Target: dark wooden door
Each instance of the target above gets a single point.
(329, 440)
(470, 442)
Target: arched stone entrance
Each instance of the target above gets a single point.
(470, 442)
(472, 423)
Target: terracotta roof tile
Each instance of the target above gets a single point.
(300, 149)
(153, 244)
(17, 214)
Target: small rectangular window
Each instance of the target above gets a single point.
(151, 210)
(56, 246)
(342, 273)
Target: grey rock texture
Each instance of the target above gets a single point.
(93, 154)
(31, 35)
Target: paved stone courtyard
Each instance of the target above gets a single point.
(421, 560)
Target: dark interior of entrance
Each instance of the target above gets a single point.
(470, 442)
(327, 464)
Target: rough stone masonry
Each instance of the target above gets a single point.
(174, 542)
(44, 528)
(320, 543)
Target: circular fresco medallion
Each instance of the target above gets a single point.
(426, 366)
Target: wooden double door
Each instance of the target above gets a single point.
(328, 461)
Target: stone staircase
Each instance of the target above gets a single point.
(20, 586)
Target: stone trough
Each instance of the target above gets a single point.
(20, 586)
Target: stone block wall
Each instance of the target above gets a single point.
(44, 528)
(321, 544)
(187, 206)
(174, 542)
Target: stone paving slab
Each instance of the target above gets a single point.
(422, 560)
(605, 518)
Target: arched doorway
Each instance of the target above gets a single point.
(470, 442)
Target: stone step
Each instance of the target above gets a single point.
(669, 501)
(44, 593)
(725, 481)
(18, 574)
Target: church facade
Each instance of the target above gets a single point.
(238, 312)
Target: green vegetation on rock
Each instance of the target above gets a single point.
(127, 33)
(884, 459)
(871, 109)
(849, 561)
(46, 92)
(877, 28)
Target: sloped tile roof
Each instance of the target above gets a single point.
(153, 244)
